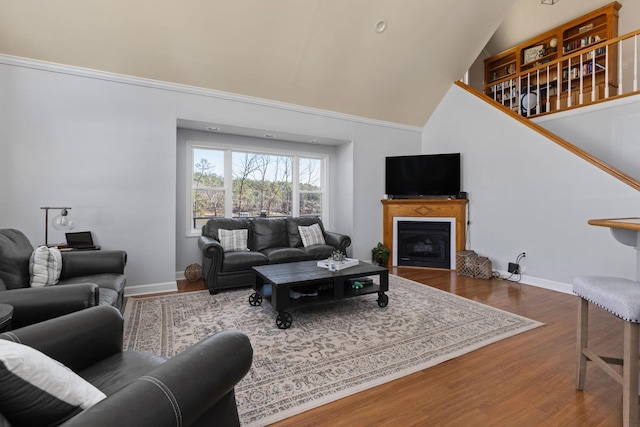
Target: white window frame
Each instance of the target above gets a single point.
(228, 178)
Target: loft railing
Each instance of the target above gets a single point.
(594, 73)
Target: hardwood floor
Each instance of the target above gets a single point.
(526, 380)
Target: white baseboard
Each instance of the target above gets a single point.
(154, 288)
(565, 288)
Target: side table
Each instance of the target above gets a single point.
(6, 313)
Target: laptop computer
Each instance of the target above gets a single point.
(82, 240)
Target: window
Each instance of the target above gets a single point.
(207, 185)
(234, 183)
(262, 184)
(310, 186)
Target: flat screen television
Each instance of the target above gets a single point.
(424, 175)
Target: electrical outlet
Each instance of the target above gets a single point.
(513, 268)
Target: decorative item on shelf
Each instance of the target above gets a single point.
(533, 53)
(359, 283)
(529, 101)
(585, 28)
(62, 221)
(553, 43)
(193, 272)
(549, 2)
(380, 254)
(338, 256)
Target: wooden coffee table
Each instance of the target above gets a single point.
(274, 283)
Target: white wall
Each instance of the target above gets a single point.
(106, 146)
(527, 193)
(107, 150)
(610, 133)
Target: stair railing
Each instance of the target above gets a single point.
(594, 74)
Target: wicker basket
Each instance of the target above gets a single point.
(483, 268)
(466, 263)
(193, 272)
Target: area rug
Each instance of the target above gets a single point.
(333, 349)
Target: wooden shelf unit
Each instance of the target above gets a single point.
(509, 73)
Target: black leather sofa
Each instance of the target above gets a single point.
(193, 388)
(270, 241)
(88, 278)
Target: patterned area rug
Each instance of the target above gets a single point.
(333, 349)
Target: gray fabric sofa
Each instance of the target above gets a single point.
(88, 278)
(193, 388)
(270, 241)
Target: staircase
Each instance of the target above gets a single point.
(595, 116)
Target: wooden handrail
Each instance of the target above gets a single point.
(616, 173)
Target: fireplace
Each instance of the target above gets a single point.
(425, 210)
(424, 242)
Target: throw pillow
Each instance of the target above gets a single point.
(45, 266)
(37, 390)
(234, 240)
(311, 235)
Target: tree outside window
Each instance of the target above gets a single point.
(310, 184)
(260, 184)
(208, 194)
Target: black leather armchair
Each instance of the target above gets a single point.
(193, 388)
(87, 279)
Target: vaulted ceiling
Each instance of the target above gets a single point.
(323, 54)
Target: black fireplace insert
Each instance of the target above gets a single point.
(424, 244)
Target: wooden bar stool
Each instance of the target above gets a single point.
(621, 297)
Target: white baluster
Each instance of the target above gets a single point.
(569, 103)
(538, 92)
(558, 88)
(620, 91)
(635, 63)
(593, 76)
(548, 104)
(581, 73)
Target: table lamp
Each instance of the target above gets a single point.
(62, 221)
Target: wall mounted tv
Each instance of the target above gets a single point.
(425, 175)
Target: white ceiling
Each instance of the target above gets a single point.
(323, 54)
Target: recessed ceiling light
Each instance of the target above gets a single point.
(213, 129)
(269, 135)
(381, 25)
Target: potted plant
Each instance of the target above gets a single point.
(380, 254)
